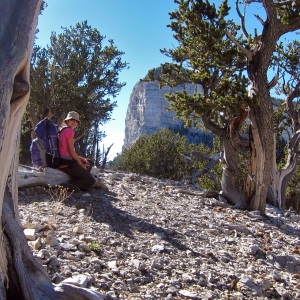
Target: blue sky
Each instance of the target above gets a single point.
(138, 28)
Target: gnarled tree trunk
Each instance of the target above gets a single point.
(280, 177)
(232, 184)
(261, 115)
(232, 187)
(21, 277)
(261, 151)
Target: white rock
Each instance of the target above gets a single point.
(78, 280)
(188, 294)
(253, 249)
(111, 295)
(126, 179)
(78, 229)
(86, 195)
(29, 234)
(112, 264)
(51, 240)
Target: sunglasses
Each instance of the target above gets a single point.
(74, 120)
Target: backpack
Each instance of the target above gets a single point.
(44, 150)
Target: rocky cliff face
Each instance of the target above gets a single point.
(147, 111)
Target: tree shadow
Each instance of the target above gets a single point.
(102, 210)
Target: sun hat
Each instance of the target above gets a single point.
(72, 115)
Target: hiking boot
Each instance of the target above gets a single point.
(99, 184)
(70, 187)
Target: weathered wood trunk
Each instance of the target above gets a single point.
(28, 176)
(261, 116)
(261, 155)
(281, 177)
(233, 185)
(21, 277)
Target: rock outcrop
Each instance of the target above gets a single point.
(147, 111)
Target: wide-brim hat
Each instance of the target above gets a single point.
(72, 115)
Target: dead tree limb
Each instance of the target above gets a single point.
(105, 156)
(212, 160)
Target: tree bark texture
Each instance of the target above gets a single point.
(281, 177)
(261, 156)
(18, 24)
(21, 277)
(233, 189)
(261, 115)
(232, 185)
(262, 139)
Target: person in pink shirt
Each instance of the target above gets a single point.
(72, 164)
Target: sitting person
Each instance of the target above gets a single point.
(72, 164)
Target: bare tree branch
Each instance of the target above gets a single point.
(212, 160)
(242, 17)
(260, 19)
(105, 155)
(247, 52)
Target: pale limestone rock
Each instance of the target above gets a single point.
(188, 294)
(78, 229)
(126, 179)
(29, 234)
(79, 280)
(147, 113)
(51, 240)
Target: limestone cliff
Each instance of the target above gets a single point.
(147, 111)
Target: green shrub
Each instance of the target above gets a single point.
(161, 155)
(94, 246)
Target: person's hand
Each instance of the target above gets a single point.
(84, 163)
(85, 166)
(83, 160)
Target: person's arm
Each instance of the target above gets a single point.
(81, 160)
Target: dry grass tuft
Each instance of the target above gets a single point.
(58, 195)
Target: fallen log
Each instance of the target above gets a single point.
(28, 176)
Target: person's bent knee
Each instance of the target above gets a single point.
(92, 181)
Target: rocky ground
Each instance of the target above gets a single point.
(155, 239)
